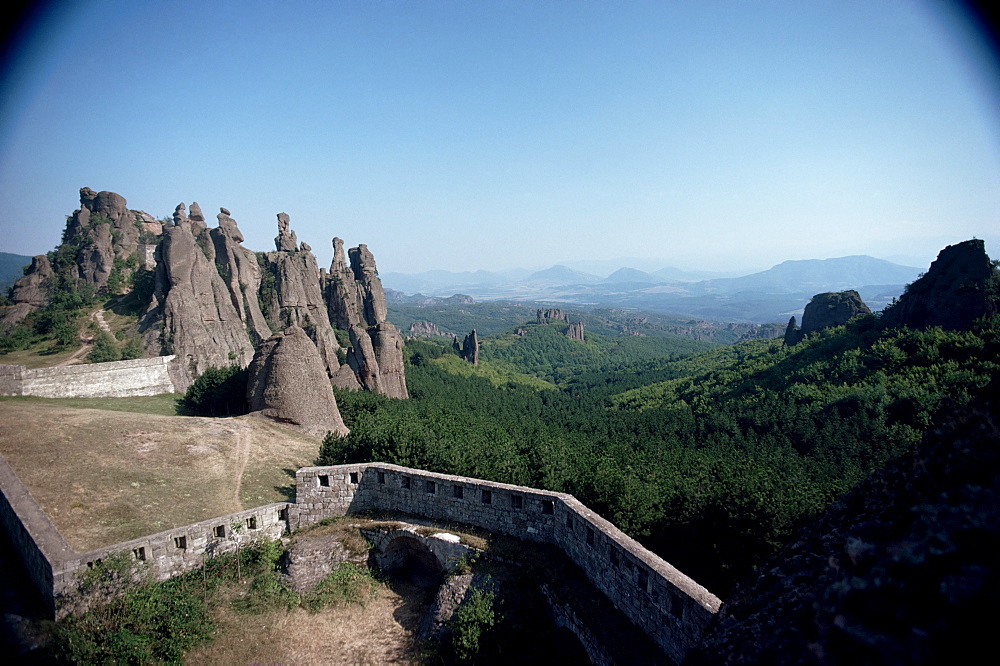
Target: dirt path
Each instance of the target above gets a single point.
(86, 342)
(243, 458)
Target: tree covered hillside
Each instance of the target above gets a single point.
(710, 459)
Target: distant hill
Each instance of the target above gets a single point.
(11, 268)
(767, 296)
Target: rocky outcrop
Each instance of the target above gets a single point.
(902, 570)
(296, 299)
(825, 311)
(192, 314)
(289, 384)
(356, 303)
(575, 331)
(242, 274)
(419, 328)
(470, 348)
(961, 286)
(29, 293)
(551, 315)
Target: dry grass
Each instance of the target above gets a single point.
(106, 476)
(379, 631)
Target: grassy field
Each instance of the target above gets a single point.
(118, 469)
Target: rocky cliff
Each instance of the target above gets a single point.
(962, 285)
(295, 298)
(356, 303)
(192, 312)
(213, 300)
(575, 331)
(470, 348)
(103, 244)
(825, 311)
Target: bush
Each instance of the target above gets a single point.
(217, 392)
(105, 349)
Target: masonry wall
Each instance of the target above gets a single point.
(117, 379)
(668, 605)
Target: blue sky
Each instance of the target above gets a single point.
(466, 135)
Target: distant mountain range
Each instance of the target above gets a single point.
(766, 296)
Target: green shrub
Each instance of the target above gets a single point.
(217, 392)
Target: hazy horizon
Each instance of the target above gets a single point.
(491, 135)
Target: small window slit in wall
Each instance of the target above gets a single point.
(180, 542)
(252, 523)
(590, 536)
(354, 478)
(431, 488)
(405, 481)
(548, 507)
(487, 496)
(381, 478)
(324, 480)
(516, 502)
(220, 532)
(139, 553)
(283, 514)
(459, 492)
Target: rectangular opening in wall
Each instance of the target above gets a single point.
(516, 502)
(139, 553)
(283, 514)
(642, 580)
(354, 478)
(569, 522)
(220, 532)
(181, 542)
(431, 488)
(405, 481)
(324, 480)
(613, 555)
(459, 492)
(252, 523)
(487, 496)
(381, 478)
(548, 507)
(590, 537)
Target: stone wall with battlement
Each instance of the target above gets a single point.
(117, 379)
(666, 604)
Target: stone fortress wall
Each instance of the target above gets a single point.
(666, 604)
(116, 379)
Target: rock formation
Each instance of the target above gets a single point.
(550, 315)
(289, 384)
(192, 313)
(29, 293)
(962, 285)
(242, 274)
(419, 328)
(356, 303)
(575, 331)
(296, 298)
(825, 311)
(470, 348)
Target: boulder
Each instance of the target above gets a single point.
(825, 311)
(289, 384)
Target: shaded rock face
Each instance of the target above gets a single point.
(470, 348)
(29, 293)
(297, 299)
(289, 384)
(904, 569)
(192, 313)
(824, 311)
(241, 273)
(961, 286)
(575, 331)
(356, 303)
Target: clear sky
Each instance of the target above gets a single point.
(495, 134)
